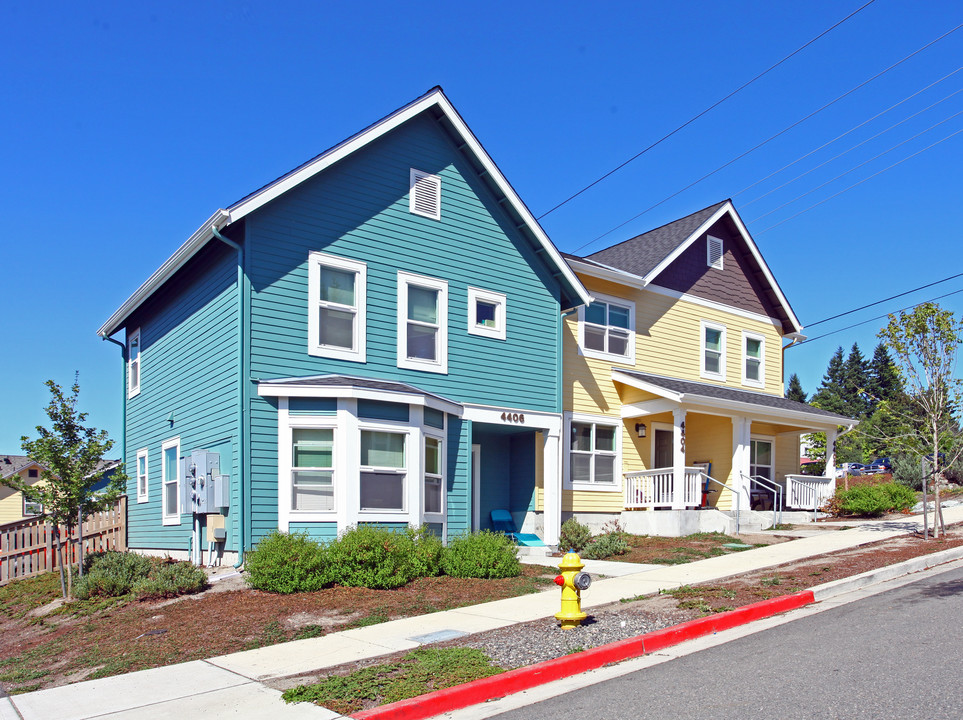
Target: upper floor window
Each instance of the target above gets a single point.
(607, 329)
(713, 351)
(422, 323)
(336, 310)
(133, 363)
(424, 196)
(486, 313)
(714, 252)
(753, 359)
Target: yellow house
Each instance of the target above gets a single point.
(13, 505)
(673, 382)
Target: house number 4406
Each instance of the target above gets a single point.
(513, 417)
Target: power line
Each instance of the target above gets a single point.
(771, 138)
(707, 110)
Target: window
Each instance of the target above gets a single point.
(33, 473)
(383, 470)
(133, 363)
(486, 313)
(422, 323)
(714, 252)
(424, 197)
(31, 508)
(312, 473)
(713, 351)
(170, 482)
(607, 329)
(593, 450)
(142, 475)
(336, 309)
(760, 458)
(433, 475)
(753, 359)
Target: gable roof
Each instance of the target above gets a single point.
(11, 465)
(641, 259)
(435, 102)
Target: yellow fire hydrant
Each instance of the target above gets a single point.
(572, 582)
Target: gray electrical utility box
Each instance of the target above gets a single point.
(197, 481)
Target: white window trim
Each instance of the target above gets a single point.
(440, 365)
(325, 423)
(717, 264)
(761, 382)
(143, 497)
(499, 332)
(433, 185)
(434, 434)
(132, 389)
(174, 519)
(315, 261)
(611, 300)
(413, 469)
(30, 508)
(567, 483)
(721, 375)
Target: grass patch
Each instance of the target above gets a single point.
(19, 597)
(420, 671)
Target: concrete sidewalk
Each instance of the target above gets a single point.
(230, 685)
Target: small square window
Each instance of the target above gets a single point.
(32, 473)
(487, 312)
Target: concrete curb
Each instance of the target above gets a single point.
(513, 681)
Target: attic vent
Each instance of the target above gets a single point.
(425, 194)
(714, 252)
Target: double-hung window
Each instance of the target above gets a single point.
(142, 485)
(170, 482)
(312, 469)
(383, 470)
(133, 363)
(753, 359)
(433, 475)
(607, 329)
(593, 453)
(713, 351)
(336, 307)
(422, 323)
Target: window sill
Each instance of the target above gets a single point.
(336, 354)
(432, 367)
(175, 520)
(609, 357)
(594, 487)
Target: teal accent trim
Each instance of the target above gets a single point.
(322, 531)
(434, 418)
(312, 406)
(379, 410)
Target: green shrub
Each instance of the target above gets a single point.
(111, 574)
(427, 551)
(874, 500)
(484, 554)
(574, 536)
(908, 471)
(169, 579)
(606, 546)
(374, 557)
(288, 563)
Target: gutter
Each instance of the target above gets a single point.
(123, 379)
(240, 390)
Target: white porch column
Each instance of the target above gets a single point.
(740, 460)
(552, 485)
(678, 459)
(830, 470)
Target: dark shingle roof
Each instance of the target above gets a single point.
(720, 392)
(639, 255)
(10, 465)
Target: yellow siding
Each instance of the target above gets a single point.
(787, 455)
(11, 508)
(587, 501)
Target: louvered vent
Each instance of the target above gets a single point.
(425, 195)
(714, 253)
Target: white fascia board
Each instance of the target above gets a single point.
(645, 386)
(174, 263)
(712, 304)
(648, 407)
(704, 227)
(346, 391)
(608, 273)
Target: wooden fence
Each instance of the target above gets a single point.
(28, 548)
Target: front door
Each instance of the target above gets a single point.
(663, 449)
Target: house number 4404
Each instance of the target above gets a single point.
(513, 417)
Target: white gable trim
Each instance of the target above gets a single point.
(434, 98)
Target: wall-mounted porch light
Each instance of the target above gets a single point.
(640, 429)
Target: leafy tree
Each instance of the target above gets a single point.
(795, 391)
(70, 454)
(924, 342)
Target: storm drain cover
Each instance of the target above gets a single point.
(438, 636)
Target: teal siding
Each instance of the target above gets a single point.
(325, 532)
(458, 478)
(263, 496)
(188, 369)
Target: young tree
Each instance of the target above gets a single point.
(70, 455)
(795, 391)
(924, 343)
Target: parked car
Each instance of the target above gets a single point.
(880, 465)
(851, 468)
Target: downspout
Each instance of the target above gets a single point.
(123, 381)
(240, 391)
(796, 338)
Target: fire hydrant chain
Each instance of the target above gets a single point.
(572, 582)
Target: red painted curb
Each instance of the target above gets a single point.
(513, 681)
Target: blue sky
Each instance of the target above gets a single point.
(126, 125)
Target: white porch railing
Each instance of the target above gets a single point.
(808, 492)
(654, 488)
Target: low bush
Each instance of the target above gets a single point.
(115, 574)
(574, 536)
(484, 554)
(374, 557)
(605, 546)
(908, 471)
(427, 551)
(169, 579)
(287, 563)
(873, 500)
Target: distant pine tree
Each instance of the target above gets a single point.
(856, 381)
(831, 394)
(795, 391)
(884, 380)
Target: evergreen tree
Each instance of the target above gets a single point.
(795, 391)
(856, 383)
(884, 379)
(830, 395)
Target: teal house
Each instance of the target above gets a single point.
(374, 337)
